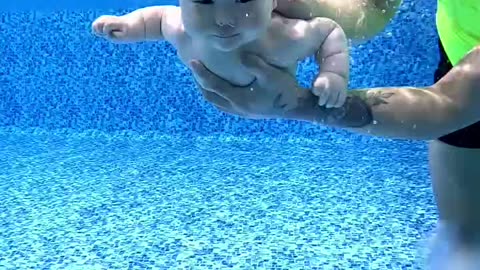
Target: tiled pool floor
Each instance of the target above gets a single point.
(79, 202)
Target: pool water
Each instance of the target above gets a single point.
(110, 159)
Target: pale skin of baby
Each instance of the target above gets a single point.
(218, 33)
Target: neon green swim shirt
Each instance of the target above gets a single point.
(458, 24)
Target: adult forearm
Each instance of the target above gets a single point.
(409, 113)
(427, 113)
(355, 113)
(403, 113)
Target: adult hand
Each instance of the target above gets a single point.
(274, 92)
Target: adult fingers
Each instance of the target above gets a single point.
(209, 81)
(216, 99)
(263, 71)
(220, 103)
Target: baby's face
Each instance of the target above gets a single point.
(227, 24)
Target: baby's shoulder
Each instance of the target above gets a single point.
(292, 29)
(299, 27)
(304, 33)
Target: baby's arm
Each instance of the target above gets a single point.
(143, 24)
(333, 59)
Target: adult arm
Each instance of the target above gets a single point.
(394, 112)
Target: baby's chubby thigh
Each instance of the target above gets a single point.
(299, 9)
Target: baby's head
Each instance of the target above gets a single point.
(227, 24)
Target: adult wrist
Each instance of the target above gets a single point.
(355, 112)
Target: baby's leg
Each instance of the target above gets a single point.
(301, 9)
(360, 19)
(333, 9)
(452, 249)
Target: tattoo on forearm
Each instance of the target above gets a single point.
(355, 113)
(378, 98)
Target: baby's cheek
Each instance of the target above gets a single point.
(195, 25)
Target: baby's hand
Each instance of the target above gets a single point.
(113, 28)
(331, 90)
